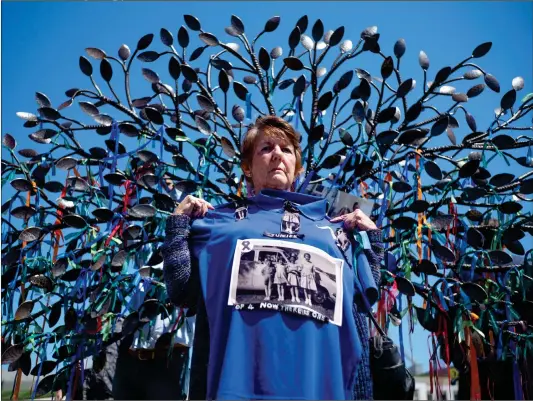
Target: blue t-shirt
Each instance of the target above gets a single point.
(270, 346)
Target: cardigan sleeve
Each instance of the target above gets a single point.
(375, 253)
(177, 268)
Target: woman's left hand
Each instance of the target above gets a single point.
(356, 219)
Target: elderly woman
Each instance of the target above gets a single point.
(256, 353)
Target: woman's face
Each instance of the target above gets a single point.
(273, 164)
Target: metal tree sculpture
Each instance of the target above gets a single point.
(68, 258)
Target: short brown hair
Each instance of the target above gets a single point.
(271, 126)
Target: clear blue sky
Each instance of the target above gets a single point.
(41, 44)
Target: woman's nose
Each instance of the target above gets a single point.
(277, 151)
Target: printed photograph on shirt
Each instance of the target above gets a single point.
(286, 277)
(341, 202)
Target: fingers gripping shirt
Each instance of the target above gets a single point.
(260, 351)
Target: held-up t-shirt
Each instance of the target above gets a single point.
(270, 348)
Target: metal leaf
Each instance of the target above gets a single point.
(272, 24)
(12, 354)
(413, 112)
(145, 41)
(42, 100)
(237, 24)
(240, 90)
(405, 87)
(336, 36)
(324, 101)
(321, 71)
(227, 147)
(399, 48)
(30, 234)
(103, 119)
(307, 42)
(106, 70)
(481, 50)
(183, 37)
(387, 67)
(166, 37)
(27, 116)
(508, 100)
(23, 212)
(475, 90)
(209, 39)
(85, 66)
(451, 136)
(442, 75)
(518, 83)
(41, 281)
(344, 80)
(30, 153)
(294, 38)
(472, 74)
(386, 115)
(492, 83)
(154, 115)
(64, 105)
(423, 60)
(276, 52)
(299, 86)
(150, 76)
(23, 311)
(124, 52)
(231, 31)
(89, 108)
(9, 141)
(223, 81)
(264, 59)
(358, 112)
(332, 161)
(189, 73)
(346, 46)
(293, 63)
(471, 121)
(148, 56)
(142, 211)
(192, 22)
(96, 53)
(447, 90)
(203, 125)
(460, 97)
(75, 221)
(205, 103)
(66, 163)
(250, 80)
(238, 113)
(49, 113)
(43, 368)
(318, 30)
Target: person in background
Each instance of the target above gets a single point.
(155, 365)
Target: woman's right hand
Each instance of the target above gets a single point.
(193, 207)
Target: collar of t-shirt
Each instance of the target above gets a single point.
(312, 207)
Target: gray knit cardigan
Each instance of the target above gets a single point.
(183, 290)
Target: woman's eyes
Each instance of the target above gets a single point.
(270, 147)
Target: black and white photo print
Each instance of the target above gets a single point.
(287, 277)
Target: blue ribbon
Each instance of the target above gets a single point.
(297, 113)
(402, 352)
(249, 106)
